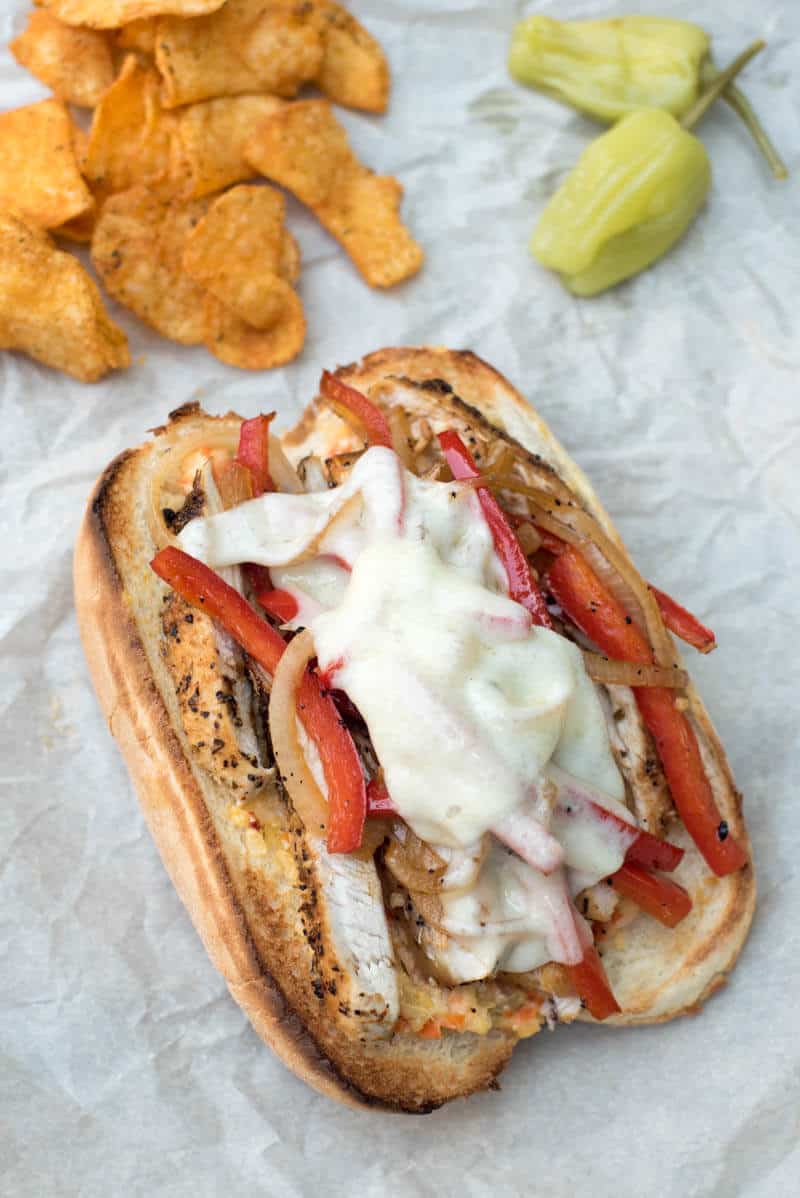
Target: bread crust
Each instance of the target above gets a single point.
(240, 918)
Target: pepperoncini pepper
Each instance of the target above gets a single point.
(610, 68)
(633, 194)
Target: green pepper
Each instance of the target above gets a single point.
(610, 68)
(633, 194)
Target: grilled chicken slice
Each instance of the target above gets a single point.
(635, 754)
(213, 699)
(347, 928)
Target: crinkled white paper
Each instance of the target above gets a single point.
(126, 1069)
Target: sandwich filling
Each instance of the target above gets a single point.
(488, 731)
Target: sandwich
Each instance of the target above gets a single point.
(412, 735)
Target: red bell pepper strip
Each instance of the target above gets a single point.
(258, 577)
(279, 603)
(644, 849)
(253, 452)
(594, 610)
(652, 853)
(590, 981)
(347, 795)
(683, 623)
(680, 755)
(368, 414)
(521, 586)
(347, 799)
(379, 801)
(660, 897)
(678, 620)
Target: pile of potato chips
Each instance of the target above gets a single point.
(193, 109)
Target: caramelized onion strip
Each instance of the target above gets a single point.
(283, 473)
(611, 672)
(400, 429)
(307, 799)
(168, 482)
(412, 862)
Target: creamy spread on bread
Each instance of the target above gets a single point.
(474, 714)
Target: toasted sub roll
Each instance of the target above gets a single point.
(306, 939)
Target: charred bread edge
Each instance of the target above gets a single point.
(460, 377)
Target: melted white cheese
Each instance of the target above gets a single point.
(465, 702)
(467, 705)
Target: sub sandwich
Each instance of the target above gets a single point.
(411, 733)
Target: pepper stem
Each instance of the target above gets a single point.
(720, 83)
(744, 110)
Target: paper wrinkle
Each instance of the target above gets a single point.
(125, 1067)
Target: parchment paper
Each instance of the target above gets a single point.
(126, 1068)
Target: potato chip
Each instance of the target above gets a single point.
(132, 140)
(213, 134)
(289, 265)
(305, 149)
(248, 46)
(354, 70)
(138, 35)
(50, 308)
(74, 63)
(137, 250)
(81, 229)
(110, 14)
(39, 177)
(80, 146)
(235, 252)
(237, 343)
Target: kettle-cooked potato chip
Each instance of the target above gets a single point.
(50, 308)
(74, 63)
(247, 46)
(354, 70)
(213, 134)
(137, 250)
(289, 265)
(138, 35)
(305, 149)
(80, 146)
(237, 343)
(80, 228)
(39, 177)
(110, 14)
(236, 253)
(132, 140)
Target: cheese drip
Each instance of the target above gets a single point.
(466, 703)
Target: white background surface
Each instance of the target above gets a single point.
(125, 1068)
